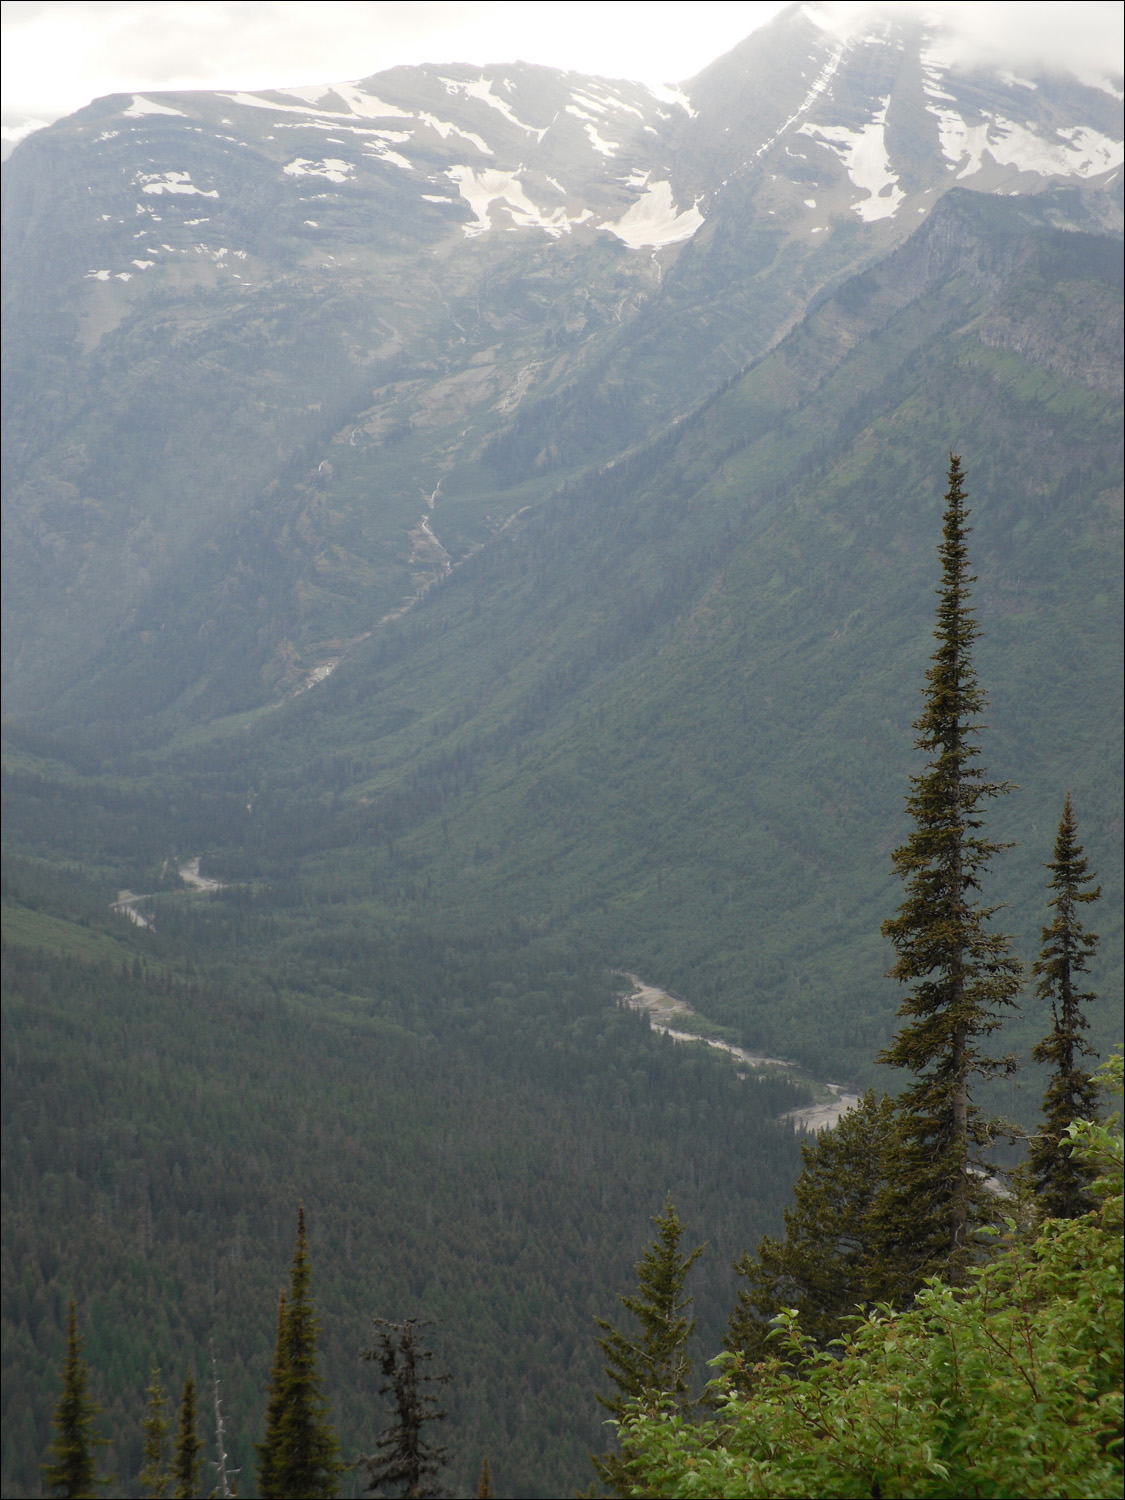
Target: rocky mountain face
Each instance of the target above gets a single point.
(245, 325)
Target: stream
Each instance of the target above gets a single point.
(663, 1009)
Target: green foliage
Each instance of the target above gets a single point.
(70, 1467)
(154, 1478)
(186, 1462)
(1062, 1178)
(1009, 1386)
(405, 1459)
(962, 974)
(298, 1460)
(655, 1359)
(826, 1267)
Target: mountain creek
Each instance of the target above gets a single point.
(664, 1009)
(833, 1100)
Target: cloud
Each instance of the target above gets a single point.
(59, 54)
(1039, 38)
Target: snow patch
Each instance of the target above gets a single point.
(361, 103)
(606, 148)
(667, 94)
(864, 155)
(481, 190)
(98, 275)
(1076, 152)
(171, 182)
(331, 168)
(653, 220)
(1015, 82)
(142, 106)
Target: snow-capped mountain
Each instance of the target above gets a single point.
(820, 128)
(207, 291)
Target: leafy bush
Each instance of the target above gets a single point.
(1009, 1386)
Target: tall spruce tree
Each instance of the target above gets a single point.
(1062, 1179)
(655, 1361)
(269, 1449)
(404, 1458)
(69, 1469)
(298, 1459)
(154, 1478)
(186, 1462)
(826, 1266)
(961, 973)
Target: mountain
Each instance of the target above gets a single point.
(211, 296)
(485, 521)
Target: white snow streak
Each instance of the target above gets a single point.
(142, 106)
(606, 148)
(481, 89)
(864, 155)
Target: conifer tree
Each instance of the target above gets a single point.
(155, 1476)
(69, 1470)
(961, 973)
(269, 1450)
(827, 1264)
(484, 1483)
(186, 1462)
(1062, 1179)
(404, 1457)
(298, 1460)
(656, 1361)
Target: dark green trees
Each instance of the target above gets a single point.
(69, 1470)
(1062, 1180)
(827, 1264)
(298, 1459)
(657, 1360)
(154, 1477)
(404, 1458)
(960, 973)
(186, 1463)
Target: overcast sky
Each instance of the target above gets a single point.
(60, 54)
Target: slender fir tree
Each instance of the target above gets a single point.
(656, 1361)
(1062, 1180)
(298, 1460)
(404, 1457)
(69, 1470)
(961, 973)
(155, 1477)
(186, 1462)
(269, 1450)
